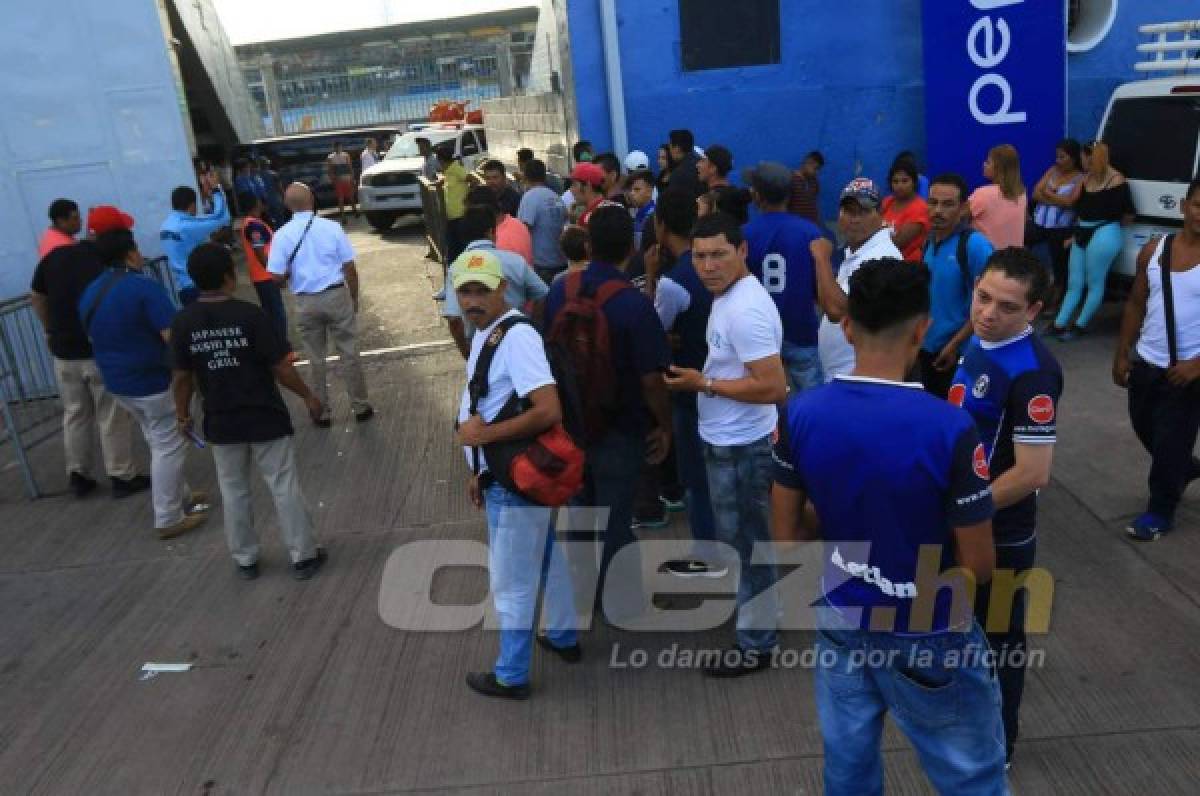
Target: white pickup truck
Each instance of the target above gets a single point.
(1152, 128)
(390, 189)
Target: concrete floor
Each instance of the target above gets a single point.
(301, 688)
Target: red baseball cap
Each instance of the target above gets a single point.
(106, 218)
(589, 173)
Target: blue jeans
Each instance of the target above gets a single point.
(689, 455)
(270, 298)
(521, 556)
(949, 710)
(738, 479)
(803, 366)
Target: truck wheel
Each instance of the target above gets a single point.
(381, 221)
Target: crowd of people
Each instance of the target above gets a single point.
(647, 343)
(892, 395)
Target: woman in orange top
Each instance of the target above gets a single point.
(905, 213)
(998, 210)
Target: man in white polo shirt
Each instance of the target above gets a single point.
(742, 381)
(867, 238)
(315, 255)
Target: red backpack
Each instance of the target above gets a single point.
(580, 337)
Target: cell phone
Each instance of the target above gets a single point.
(196, 439)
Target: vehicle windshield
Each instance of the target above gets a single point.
(1154, 138)
(406, 145)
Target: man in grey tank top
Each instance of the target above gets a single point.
(1162, 372)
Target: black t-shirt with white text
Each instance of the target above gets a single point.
(231, 347)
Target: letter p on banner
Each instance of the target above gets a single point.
(995, 73)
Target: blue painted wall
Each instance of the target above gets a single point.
(854, 92)
(850, 83)
(92, 113)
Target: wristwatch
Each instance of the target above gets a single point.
(708, 387)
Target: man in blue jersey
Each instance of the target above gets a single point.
(1011, 385)
(779, 256)
(956, 255)
(898, 485)
(184, 230)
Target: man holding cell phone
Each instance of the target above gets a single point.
(230, 350)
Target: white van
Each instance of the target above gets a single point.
(1152, 128)
(389, 189)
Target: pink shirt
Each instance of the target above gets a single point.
(513, 236)
(52, 239)
(1002, 221)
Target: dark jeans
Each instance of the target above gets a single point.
(937, 382)
(693, 474)
(270, 298)
(657, 481)
(1009, 644)
(610, 482)
(1165, 419)
(454, 242)
(188, 295)
(1054, 238)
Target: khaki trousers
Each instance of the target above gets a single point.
(330, 315)
(88, 407)
(276, 462)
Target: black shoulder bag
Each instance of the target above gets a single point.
(1164, 265)
(114, 276)
(292, 257)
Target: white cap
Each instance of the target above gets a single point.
(636, 160)
(699, 152)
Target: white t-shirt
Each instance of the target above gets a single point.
(837, 355)
(519, 366)
(744, 326)
(368, 159)
(670, 299)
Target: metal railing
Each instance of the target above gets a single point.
(30, 409)
(433, 209)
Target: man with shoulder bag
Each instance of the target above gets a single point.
(1162, 371)
(523, 464)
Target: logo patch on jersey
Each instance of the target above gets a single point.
(958, 394)
(1041, 409)
(981, 386)
(979, 462)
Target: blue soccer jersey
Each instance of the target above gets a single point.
(778, 254)
(1011, 390)
(889, 469)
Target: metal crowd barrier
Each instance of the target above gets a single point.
(433, 208)
(158, 270)
(30, 409)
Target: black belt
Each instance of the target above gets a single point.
(326, 290)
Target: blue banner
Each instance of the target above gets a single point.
(995, 73)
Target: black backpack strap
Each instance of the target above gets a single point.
(478, 385)
(1164, 263)
(114, 276)
(960, 254)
